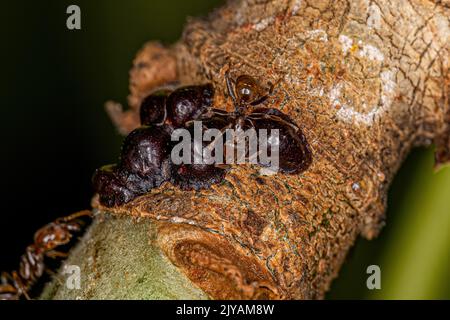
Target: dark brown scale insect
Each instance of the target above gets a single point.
(113, 191)
(199, 176)
(116, 186)
(144, 165)
(144, 162)
(138, 185)
(153, 108)
(56, 234)
(196, 176)
(144, 152)
(294, 152)
(188, 103)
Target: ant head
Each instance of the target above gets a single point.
(245, 90)
(52, 235)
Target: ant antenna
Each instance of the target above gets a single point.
(230, 88)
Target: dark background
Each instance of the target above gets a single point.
(53, 85)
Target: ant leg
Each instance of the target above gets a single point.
(72, 217)
(223, 166)
(21, 288)
(218, 139)
(256, 116)
(209, 114)
(4, 278)
(53, 275)
(84, 213)
(74, 226)
(56, 254)
(50, 272)
(8, 287)
(287, 123)
(272, 86)
(260, 100)
(8, 292)
(265, 97)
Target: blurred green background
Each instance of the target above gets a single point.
(54, 83)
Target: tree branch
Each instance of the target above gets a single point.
(366, 81)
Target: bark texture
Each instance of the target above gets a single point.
(365, 80)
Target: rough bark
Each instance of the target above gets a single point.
(365, 80)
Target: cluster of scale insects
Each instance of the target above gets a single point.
(145, 162)
(145, 159)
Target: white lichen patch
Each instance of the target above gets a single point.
(345, 112)
(371, 52)
(292, 79)
(388, 87)
(374, 17)
(442, 28)
(356, 186)
(335, 95)
(317, 34)
(346, 43)
(263, 24)
(350, 114)
(364, 50)
(178, 220)
(316, 92)
(296, 5)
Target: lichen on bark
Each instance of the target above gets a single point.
(365, 80)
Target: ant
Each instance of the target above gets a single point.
(247, 94)
(16, 284)
(245, 91)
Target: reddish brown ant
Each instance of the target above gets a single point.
(245, 91)
(55, 234)
(247, 94)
